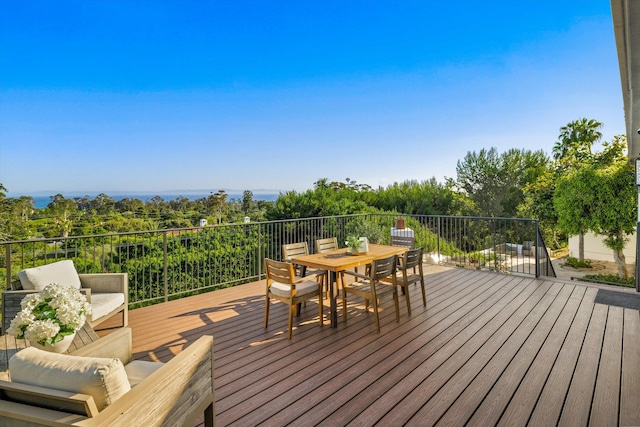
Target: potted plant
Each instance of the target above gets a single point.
(356, 244)
(51, 317)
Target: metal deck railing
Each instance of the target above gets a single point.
(169, 264)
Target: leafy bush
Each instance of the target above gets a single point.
(575, 263)
(610, 279)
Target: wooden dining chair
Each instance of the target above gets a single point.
(290, 250)
(326, 245)
(404, 241)
(408, 271)
(283, 285)
(371, 287)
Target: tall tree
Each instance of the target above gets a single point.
(538, 204)
(495, 182)
(62, 210)
(573, 149)
(599, 196)
(247, 202)
(576, 139)
(5, 215)
(103, 204)
(216, 203)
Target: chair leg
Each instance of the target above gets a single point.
(321, 306)
(375, 311)
(405, 289)
(209, 416)
(344, 305)
(291, 309)
(395, 300)
(424, 295)
(326, 280)
(266, 313)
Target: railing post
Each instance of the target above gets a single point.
(260, 261)
(8, 265)
(637, 254)
(537, 251)
(166, 268)
(438, 227)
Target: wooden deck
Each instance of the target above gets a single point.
(489, 349)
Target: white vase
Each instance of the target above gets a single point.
(59, 347)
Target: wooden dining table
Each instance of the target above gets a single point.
(338, 261)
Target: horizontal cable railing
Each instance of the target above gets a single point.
(169, 264)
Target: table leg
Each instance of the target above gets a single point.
(332, 301)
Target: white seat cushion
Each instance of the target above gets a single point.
(102, 304)
(104, 379)
(138, 370)
(303, 288)
(61, 272)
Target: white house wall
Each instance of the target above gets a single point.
(595, 250)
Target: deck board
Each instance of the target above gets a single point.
(489, 349)
(608, 383)
(550, 402)
(577, 407)
(630, 387)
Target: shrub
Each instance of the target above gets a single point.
(610, 279)
(575, 263)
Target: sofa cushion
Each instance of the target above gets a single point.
(102, 304)
(104, 379)
(303, 288)
(61, 272)
(138, 370)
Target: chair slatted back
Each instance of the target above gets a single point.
(404, 241)
(413, 257)
(294, 249)
(326, 245)
(277, 271)
(384, 267)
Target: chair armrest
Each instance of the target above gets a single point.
(116, 344)
(177, 393)
(49, 398)
(87, 293)
(353, 273)
(106, 282)
(306, 278)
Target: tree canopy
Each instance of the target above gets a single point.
(495, 182)
(599, 195)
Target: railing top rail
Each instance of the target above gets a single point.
(213, 226)
(227, 257)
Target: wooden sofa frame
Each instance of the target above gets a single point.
(91, 283)
(174, 395)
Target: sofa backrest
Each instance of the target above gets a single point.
(61, 272)
(102, 378)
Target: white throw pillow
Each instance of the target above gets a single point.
(61, 272)
(103, 378)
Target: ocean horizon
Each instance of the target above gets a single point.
(41, 201)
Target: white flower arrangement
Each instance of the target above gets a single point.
(50, 315)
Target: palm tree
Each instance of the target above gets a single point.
(573, 148)
(575, 140)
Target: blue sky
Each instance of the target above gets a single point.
(144, 96)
